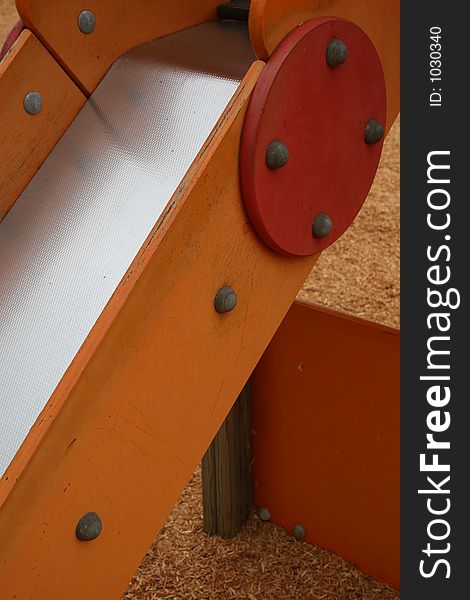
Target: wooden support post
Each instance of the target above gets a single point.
(226, 472)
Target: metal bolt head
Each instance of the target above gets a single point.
(32, 103)
(298, 531)
(88, 527)
(225, 299)
(264, 514)
(322, 225)
(277, 155)
(373, 132)
(86, 21)
(336, 53)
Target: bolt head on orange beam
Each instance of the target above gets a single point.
(271, 20)
(30, 134)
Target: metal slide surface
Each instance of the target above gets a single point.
(73, 233)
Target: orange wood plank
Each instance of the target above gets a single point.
(26, 139)
(120, 26)
(272, 20)
(326, 435)
(149, 388)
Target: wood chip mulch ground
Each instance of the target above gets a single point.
(262, 563)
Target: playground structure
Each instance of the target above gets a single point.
(142, 377)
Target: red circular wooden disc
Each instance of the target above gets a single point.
(320, 113)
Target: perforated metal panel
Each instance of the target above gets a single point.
(71, 236)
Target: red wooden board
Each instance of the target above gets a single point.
(326, 435)
(320, 114)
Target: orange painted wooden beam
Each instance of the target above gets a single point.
(149, 389)
(272, 20)
(27, 139)
(120, 26)
(326, 443)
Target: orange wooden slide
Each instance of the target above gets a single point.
(138, 289)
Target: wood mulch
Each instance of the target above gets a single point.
(262, 563)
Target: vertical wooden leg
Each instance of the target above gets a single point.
(226, 472)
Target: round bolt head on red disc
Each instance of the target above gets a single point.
(319, 113)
